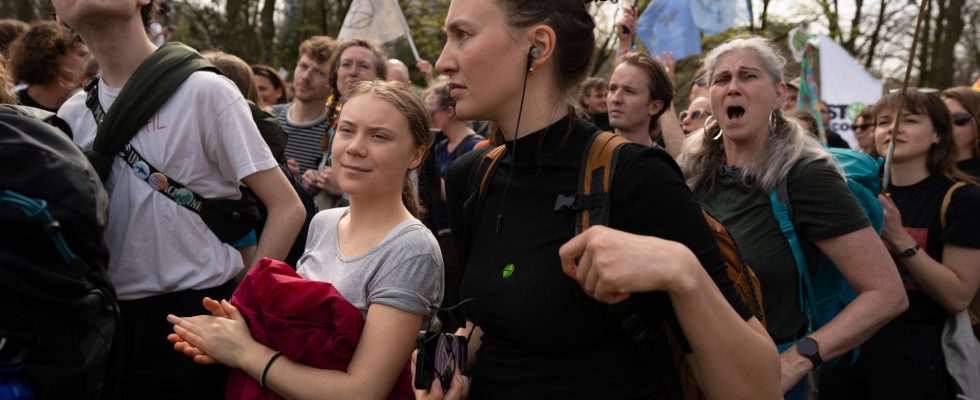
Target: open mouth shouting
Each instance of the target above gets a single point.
(735, 113)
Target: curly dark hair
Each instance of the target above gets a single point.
(150, 10)
(10, 29)
(318, 48)
(34, 55)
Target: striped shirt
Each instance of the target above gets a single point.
(302, 140)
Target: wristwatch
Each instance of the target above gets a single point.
(808, 348)
(909, 252)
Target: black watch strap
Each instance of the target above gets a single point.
(807, 347)
(909, 252)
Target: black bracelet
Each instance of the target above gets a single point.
(266, 370)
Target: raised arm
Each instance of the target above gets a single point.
(625, 32)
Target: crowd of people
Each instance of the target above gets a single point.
(436, 209)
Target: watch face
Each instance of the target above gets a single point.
(807, 346)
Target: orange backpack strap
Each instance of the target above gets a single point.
(591, 203)
(491, 157)
(946, 199)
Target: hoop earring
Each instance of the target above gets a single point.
(707, 125)
(772, 123)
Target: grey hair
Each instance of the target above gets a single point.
(787, 144)
(767, 52)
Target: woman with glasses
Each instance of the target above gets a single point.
(696, 114)
(964, 105)
(863, 127)
(734, 164)
(938, 255)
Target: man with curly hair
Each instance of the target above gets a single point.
(164, 258)
(50, 60)
(305, 118)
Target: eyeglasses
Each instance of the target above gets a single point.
(962, 118)
(862, 127)
(695, 115)
(701, 81)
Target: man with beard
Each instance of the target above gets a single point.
(305, 118)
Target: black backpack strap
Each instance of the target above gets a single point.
(150, 86)
(477, 183)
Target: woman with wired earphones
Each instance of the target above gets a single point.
(540, 321)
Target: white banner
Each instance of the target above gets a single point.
(381, 20)
(845, 86)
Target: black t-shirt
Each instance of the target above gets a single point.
(971, 166)
(823, 208)
(27, 100)
(835, 140)
(543, 336)
(444, 158)
(920, 204)
(601, 121)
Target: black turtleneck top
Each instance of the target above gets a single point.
(543, 336)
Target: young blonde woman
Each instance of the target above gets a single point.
(355, 60)
(375, 252)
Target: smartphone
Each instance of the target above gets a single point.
(439, 356)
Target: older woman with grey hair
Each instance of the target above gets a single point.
(743, 153)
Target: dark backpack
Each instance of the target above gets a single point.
(660, 343)
(59, 314)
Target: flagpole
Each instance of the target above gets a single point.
(408, 32)
(902, 99)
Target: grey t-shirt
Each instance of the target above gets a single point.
(404, 271)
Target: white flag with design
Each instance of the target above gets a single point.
(381, 20)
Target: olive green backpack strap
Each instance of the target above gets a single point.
(150, 86)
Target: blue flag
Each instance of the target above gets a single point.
(714, 17)
(667, 25)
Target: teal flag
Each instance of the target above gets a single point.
(808, 99)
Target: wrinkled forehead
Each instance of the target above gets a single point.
(738, 60)
(357, 53)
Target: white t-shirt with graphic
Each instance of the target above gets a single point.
(203, 137)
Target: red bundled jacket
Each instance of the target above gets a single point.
(309, 321)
